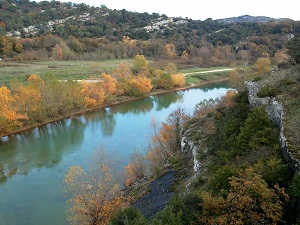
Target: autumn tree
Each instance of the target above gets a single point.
(139, 86)
(10, 119)
(281, 56)
(166, 138)
(94, 196)
(57, 52)
(185, 55)
(122, 71)
(92, 93)
(109, 84)
(137, 167)
(28, 98)
(249, 201)
(170, 50)
(178, 80)
(263, 65)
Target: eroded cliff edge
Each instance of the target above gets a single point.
(276, 113)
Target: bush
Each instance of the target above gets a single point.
(267, 91)
(129, 216)
(257, 78)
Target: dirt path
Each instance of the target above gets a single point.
(210, 71)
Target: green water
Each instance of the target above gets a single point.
(33, 164)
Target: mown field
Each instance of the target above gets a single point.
(77, 70)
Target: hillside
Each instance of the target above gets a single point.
(251, 19)
(24, 18)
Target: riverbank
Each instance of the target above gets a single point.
(119, 100)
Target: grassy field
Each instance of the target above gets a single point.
(198, 78)
(77, 70)
(69, 70)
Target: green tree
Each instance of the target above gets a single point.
(293, 47)
(140, 64)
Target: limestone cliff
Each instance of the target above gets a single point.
(276, 113)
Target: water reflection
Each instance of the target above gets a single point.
(26, 151)
(164, 101)
(135, 107)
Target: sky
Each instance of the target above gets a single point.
(203, 9)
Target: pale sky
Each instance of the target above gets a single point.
(201, 10)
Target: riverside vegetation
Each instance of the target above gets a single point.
(241, 176)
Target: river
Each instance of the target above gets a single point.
(33, 164)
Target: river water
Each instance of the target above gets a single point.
(33, 164)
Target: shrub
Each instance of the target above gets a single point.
(267, 91)
(129, 216)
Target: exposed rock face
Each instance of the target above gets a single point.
(276, 113)
(188, 145)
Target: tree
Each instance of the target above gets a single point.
(166, 138)
(139, 86)
(92, 93)
(170, 51)
(178, 80)
(263, 65)
(10, 119)
(109, 84)
(171, 68)
(137, 167)
(57, 52)
(94, 196)
(28, 98)
(293, 47)
(140, 64)
(122, 71)
(249, 201)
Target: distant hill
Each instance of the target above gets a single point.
(250, 19)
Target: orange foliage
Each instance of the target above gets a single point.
(9, 117)
(139, 85)
(109, 84)
(92, 93)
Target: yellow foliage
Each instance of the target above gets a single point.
(263, 65)
(140, 85)
(178, 80)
